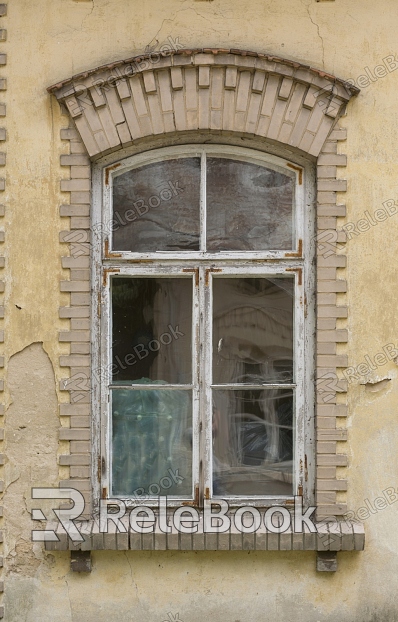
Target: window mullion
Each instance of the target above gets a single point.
(300, 405)
(205, 384)
(203, 206)
(196, 377)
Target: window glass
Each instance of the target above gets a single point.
(152, 329)
(252, 442)
(249, 207)
(156, 207)
(151, 427)
(203, 394)
(252, 429)
(252, 330)
(152, 442)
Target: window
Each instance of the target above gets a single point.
(205, 280)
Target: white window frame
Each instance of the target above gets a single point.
(298, 262)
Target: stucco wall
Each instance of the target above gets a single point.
(49, 40)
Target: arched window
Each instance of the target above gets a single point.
(219, 243)
(205, 279)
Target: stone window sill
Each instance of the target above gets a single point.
(341, 536)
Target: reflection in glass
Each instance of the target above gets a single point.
(151, 442)
(156, 207)
(152, 329)
(252, 442)
(249, 207)
(252, 330)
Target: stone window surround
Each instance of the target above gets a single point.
(230, 97)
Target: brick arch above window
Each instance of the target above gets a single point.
(116, 105)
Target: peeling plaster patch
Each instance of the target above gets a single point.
(21, 561)
(31, 442)
(376, 385)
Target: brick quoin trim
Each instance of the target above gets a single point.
(222, 92)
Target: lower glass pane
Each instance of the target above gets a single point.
(252, 442)
(151, 442)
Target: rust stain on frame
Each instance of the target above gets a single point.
(107, 254)
(207, 273)
(195, 271)
(108, 170)
(299, 272)
(105, 274)
(195, 502)
(299, 170)
(299, 250)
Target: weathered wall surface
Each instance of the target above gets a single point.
(49, 40)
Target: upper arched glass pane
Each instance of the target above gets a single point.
(249, 206)
(208, 202)
(156, 207)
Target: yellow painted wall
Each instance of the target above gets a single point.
(49, 40)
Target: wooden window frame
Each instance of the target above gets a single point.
(298, 262)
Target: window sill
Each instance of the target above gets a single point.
(341, 536)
